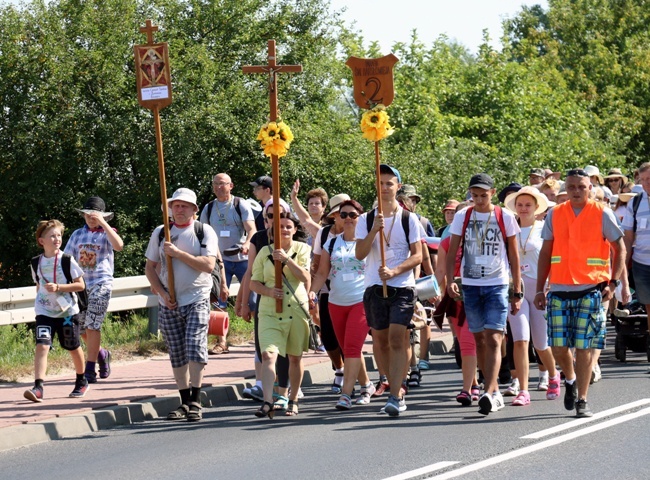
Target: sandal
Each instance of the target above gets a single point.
(179, 414)
(218, 349)
(266, 410)
(414, 378)
(464, 398)
(336, 387)
(344, 403)
(196, 412)
(476, 393)
(522, 399)
(280, 403)
(292, 408)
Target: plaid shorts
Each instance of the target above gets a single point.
(98, 297)
(185, 330)
(576, 323)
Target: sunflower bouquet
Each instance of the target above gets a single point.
(374, 124)
(275, 138)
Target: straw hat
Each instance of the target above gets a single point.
(626, 197)
(542, 201)
(336, 201)
(616, 173)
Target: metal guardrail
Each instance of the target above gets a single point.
(129, 293)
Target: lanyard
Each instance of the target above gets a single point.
(523, 247)
(56, 259)
(390, 232)
(346, 250)
(481, 240)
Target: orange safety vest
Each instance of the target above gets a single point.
(580, 253)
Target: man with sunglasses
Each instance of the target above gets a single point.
(578, 237)
(389, 315)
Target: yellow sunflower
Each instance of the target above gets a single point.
(275, 138)
(374, 124)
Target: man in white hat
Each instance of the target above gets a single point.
(184, 322)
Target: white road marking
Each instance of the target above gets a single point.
(421, 471)
(582, 421)
(541, 445)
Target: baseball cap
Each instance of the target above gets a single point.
(450, 205)
(481, 180)
(538, 171)
(383, 168)
(263, 181)
(409, 191)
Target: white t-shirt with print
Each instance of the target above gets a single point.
(46, 303)
(485, 262)
(396, 251)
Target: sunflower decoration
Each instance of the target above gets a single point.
(275, 138)
(374, 124)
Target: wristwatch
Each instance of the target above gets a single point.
(616, 282)
(518, 295)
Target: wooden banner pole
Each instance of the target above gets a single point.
(380, 210)
(163, 199)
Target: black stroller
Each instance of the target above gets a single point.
(631, 327)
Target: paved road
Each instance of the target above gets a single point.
(435, 434)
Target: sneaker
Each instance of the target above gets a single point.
(302, 395)
(542, 385)
(394, 406)
(380, 388)
(254, 393)
(621, 312)
(424, 365)
(34, 394)
(582, 409)
(522, 399)
(80, 389)
(476, 392)
(570, 395)
(553, 390)
(104, 365)
(596, 374)
(513, 389)
(344, 403)
(91, 377)
(464, 398)
(320, 349)
(485, 404)
(497, 401)
(366, 392)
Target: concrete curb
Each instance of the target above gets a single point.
(158, 407)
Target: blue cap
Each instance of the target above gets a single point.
(383, 168)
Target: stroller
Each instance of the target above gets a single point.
(631, 326)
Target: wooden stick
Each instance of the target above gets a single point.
(275, 165)
(380, 210)
(163, 197)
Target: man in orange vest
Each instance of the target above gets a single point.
(577, 237)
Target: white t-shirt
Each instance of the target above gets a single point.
(529, 241)
(190, 285)
(46, 303)
(485, 262)
(346, 273)
(641, 252)
(397, 249)
(317, 249)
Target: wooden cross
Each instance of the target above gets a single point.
(149, 28)
(272, 69)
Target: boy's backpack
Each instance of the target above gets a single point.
(82, 296)
(498, 213)
(370, 218)
(236, 202)
(636, 201)
(216, 272)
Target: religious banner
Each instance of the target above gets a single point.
(372, 80)
(152, 72)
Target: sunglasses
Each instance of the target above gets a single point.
(577, 172)
(352, 215)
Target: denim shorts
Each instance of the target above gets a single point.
(396, 308)
(486, 307)
(641, 274)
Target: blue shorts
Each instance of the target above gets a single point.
(641, 274)
(486, 307)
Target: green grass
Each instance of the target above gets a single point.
(127, 336)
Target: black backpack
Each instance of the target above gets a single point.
(636, 201)
(82, 296)
(236, 202)
(216, 272)
(370, 218)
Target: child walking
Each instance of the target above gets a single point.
(56, 306)
(92, 247)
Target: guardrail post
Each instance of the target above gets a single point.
(153, 320)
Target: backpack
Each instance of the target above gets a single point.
(82, 296)
(498, 213)
(216, 272)
(636, 201)
(236, 202)
(370, 218)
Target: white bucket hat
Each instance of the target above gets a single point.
(184, 195)
(336, 201)
(593, 171)
(542, 201)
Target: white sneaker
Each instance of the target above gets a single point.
(542, 385)
(596, 374)
(485, 405)
(497, 401)
(513, 389)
